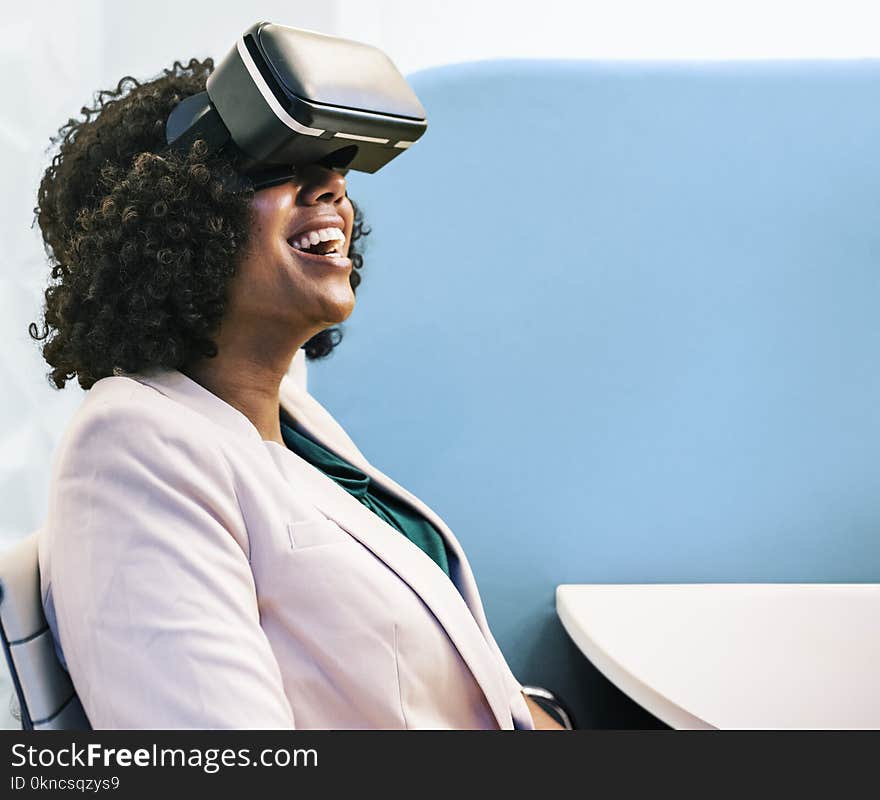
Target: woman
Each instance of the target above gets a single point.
(218, 553)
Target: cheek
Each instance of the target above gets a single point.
(269, 246)
(267, 222)
(260, 269)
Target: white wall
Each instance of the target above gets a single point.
(420, 34)
(54, 55)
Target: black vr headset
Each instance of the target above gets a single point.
(286, 97)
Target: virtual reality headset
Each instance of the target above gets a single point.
(285, 97)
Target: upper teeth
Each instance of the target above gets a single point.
(307, 240)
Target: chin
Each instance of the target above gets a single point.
(338, 309)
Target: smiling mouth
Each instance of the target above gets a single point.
(324, 246)
(322, 242)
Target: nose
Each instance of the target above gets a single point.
(319, 184)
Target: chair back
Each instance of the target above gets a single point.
(45, 694)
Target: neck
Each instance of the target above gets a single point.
(249, 380)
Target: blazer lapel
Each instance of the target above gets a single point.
(458, 611)
(317, 422)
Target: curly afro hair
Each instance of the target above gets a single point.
(142, 246)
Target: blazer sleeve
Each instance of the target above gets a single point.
(154, 597)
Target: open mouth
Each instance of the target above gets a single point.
(325, 242)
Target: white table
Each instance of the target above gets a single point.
(802, 656)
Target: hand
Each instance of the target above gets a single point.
(543, 721)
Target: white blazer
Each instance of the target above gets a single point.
(197, 576)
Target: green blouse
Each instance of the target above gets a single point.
(387, 506)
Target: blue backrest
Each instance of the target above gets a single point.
(619, 323)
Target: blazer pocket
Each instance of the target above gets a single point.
(315, 532)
